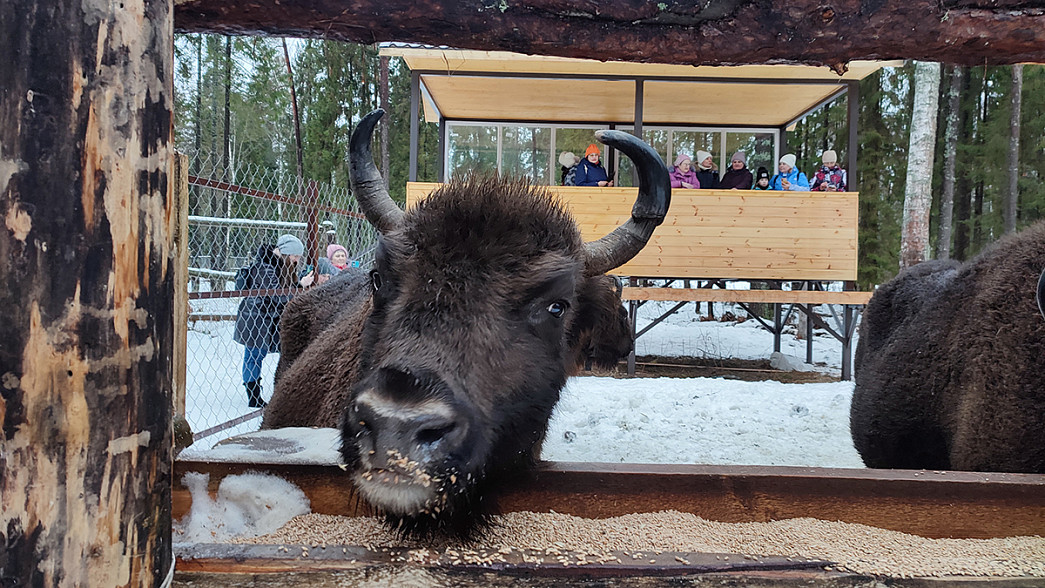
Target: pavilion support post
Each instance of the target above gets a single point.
(415, 98)
(853, 116)
(442, 149)
(809, 333)
(848, 325)
(633, 313)
(778, 326)
(86, 299)
(639, 96)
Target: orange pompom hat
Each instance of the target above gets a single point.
(593, 148)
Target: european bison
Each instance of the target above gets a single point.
(950, 366)
(442, 365)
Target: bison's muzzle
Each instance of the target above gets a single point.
(410, 442)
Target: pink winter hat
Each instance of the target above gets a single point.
(334, 247)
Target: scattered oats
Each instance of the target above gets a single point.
(856, 548)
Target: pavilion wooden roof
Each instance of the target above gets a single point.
(502, 86)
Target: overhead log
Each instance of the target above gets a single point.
(697, 32)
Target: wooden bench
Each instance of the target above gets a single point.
(714, 237)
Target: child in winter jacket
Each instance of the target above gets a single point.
(789, 177)
(830, 177)
(761, 179)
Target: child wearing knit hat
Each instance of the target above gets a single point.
(761, 179)
(830, 177)
(789, 178)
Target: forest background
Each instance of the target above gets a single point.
(234, 113)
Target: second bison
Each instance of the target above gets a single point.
(950, 366)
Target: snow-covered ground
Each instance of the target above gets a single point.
(636, 420)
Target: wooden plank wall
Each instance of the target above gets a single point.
(726, 234)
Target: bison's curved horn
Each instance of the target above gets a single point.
(650, 207)
(367, 184)
(1041, 293)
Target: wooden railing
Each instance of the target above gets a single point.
(725, 234)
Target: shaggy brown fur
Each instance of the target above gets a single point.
(950, 367)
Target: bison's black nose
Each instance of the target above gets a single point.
(401, 416)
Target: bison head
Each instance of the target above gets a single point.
(485, 299)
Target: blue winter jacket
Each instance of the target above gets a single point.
(799, 181)
(590, 174)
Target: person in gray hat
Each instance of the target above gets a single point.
(257, 318)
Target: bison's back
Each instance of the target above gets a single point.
(320, 347)
(950, 367)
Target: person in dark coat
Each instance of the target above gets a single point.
(738, 176)
(590, 171)
(257, 318)
(707, 171)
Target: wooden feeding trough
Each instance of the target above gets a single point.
(930, 504)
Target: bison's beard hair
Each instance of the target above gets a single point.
(472, 501)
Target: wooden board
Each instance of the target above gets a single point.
(726, 234)
(749, 296)
(927, 503)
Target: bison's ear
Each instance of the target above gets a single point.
(601, 331)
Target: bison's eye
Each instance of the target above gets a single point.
(375, 280)
(558, 308)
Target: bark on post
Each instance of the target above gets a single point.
(914, 237)
(87, 290)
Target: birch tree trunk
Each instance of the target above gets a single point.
(950, 156)
(86, 295)
(383, 101)
(1012, 196)
(914, 236)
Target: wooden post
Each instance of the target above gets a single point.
(180, 235)
(86, 296)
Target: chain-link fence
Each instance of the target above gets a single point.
(235, 221)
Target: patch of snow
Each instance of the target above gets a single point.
(247, 505)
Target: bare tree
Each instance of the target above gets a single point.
(383, 98)
(914, 236)
(950, 156)
(1012, 196)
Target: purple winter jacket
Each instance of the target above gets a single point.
(678, 177)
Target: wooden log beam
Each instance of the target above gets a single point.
(86, 289)
(727, 32)
(927, 503)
